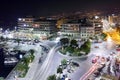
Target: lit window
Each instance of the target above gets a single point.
(24, 25)
(23, 19)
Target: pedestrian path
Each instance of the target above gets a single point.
(33, 66)
(31, 72)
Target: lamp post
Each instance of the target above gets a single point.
(15, 28)
(1, 29)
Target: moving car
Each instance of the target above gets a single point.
(96, 47)
(94, 60)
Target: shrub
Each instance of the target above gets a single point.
(52, 77)
(64, 62)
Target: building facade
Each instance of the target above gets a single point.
(71, 29)
(25, 23)
(98, 25)
(31, 28)
(45, 28)
(87, 31)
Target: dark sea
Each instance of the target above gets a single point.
(4, 70)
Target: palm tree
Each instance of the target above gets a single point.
(32, 51)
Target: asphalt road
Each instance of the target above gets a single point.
(52, 60)
(55, 58)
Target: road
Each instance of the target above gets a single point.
(104, 50)
(51, 63)
(27, 47)
(42, 72)
(53, 59)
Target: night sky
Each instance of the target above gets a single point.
(10, 10)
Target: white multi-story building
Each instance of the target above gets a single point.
(78, 29)
(98, 25)
(31, 28)
(72, 29)
(25, 23)
(45, 28)
(86, 31)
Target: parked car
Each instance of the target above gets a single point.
(76, 64)
(96, 47)
(96, 74)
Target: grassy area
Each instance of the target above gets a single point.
(1, 78)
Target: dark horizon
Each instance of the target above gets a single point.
(11, 10)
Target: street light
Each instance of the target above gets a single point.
(1, 29)
(15, 28)
(19, 19)
(96, 17)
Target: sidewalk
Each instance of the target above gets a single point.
(31, 72)
(33, 66)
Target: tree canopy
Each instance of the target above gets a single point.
(52, 77)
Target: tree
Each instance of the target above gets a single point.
(32, 51)
(31, 54)
(52, 77)
(96, 37)
(26, 60)
(103, 35)
(86, 47)
(18, 41)
(88, 43)
(64, 41)
(64, 62)
(2, 38)
(59, 70)
(70, 49)
(73, 43)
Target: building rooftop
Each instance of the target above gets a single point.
(44, 20)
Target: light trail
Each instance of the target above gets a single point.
(90, 71)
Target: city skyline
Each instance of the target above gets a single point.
(11, 10)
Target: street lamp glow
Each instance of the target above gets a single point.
(96, 17)
(19, 19)
(23, 19)
(99, 25)
(1, 28)
(109, 39)
(24, 25)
